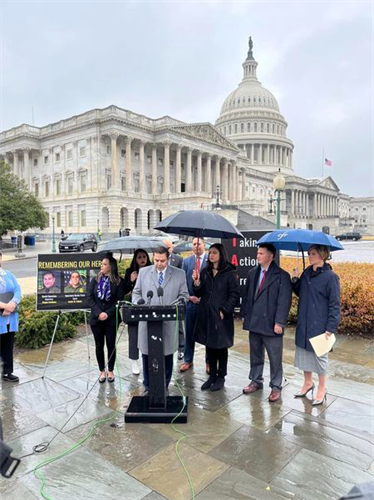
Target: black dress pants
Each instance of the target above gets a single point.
(105, 332)
(6, 351)
(274, 348)
(217, 361)
(133, 340)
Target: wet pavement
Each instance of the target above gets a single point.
(237, 446)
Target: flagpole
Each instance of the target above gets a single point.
(323, 161)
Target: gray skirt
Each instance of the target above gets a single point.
(309, 362)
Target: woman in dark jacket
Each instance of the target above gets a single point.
(218, 288)
(318, 290)
(139, 260)
(104, 292)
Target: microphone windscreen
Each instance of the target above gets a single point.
(149, 294)
(160, 291)
(141, 301)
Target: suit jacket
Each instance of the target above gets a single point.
(189, 266)
(174, 287)
(271, 305)
(98, 306)
(176, 260)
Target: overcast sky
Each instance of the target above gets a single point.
(183, 58)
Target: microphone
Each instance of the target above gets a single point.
(141, 302)
(160, 294)
(149, 297)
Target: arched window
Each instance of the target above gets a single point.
(229, 129)
(248, 127)
(242, 127)
(262, 127)
(268, 127)
(273, 128)
(255, 127)
(236, 128)
(224, 129)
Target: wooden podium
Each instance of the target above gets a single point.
(156, 407)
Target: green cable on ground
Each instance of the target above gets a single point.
(184, 435)
(36, 471)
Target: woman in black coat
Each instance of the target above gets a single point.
(104, 292)
(139, 260)
(218, 288)
(318, 290)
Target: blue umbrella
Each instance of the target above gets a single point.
(299, 240)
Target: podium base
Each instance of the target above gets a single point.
(139, 411)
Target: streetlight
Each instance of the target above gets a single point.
(279, 184)
(217, 193)
(53, 235)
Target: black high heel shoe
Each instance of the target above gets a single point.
(303, 394)
(317, 402)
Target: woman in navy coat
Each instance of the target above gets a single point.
(318, 290)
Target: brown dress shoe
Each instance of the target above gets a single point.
(251, 388)
(274, 395)
(185, 366)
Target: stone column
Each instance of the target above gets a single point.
(244, 191)
(291, 154)
(178, 169)
(129, 140)
(113, 147)
(166, 167)
(252, 154)
(142, 187)
(199, 172)
(292, 202)
(217, 173)
(259, 154)
(235, 182)
(15, 163)
(208, 175)
(268, 154)
(189, 171)
(306, 204)
(225, 182)
(314, 214)
(26, 166)
(154, 169)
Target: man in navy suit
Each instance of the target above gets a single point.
(197, 260)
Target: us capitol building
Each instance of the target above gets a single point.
(112, 168)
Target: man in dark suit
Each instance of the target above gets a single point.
(196, 261)
(265, 307)
(176, 261)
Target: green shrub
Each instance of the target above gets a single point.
(36, 327)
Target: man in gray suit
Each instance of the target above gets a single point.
(173, 282)
(176, 261)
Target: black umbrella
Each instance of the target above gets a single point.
(129, 244)
(199, 223)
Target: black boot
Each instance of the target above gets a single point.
(206, 385)
(218, 384)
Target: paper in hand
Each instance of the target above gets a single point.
(321, 344)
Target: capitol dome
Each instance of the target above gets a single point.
(250, 117)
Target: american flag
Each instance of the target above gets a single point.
(328, 162)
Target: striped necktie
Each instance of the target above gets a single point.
(160, 278)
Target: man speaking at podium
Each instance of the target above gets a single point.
(160, 284)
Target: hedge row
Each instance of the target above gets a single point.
(357, 295)
(36, 327)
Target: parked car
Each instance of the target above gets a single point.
(186, 246)
(349, 236)
(78, 243)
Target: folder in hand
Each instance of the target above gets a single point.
(321, 344)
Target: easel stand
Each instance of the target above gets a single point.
(55, 330)
(156, 407)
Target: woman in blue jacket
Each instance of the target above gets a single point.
(10, 296)
(318, 290)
